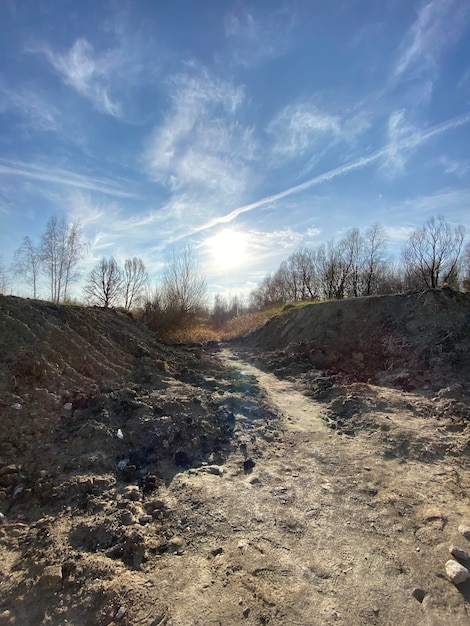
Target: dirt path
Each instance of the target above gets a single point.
(293, 524)
(306, 527)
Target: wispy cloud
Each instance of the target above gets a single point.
(36, 112)
(438, 25)
(256, 38)
(408, 143)
(300, 128)
(88, 73)
(461, 169)
(64, 177)
(201, 148)
(395, 154)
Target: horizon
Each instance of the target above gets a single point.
(245, 130)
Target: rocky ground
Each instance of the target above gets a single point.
(264, 483)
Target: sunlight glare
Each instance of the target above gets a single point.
(228, 248)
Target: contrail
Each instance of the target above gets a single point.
(62, 177)
(410, 142)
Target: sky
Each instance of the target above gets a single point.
(245, 130)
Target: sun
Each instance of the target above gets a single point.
(228, 248)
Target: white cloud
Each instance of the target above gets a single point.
(256, 38)
(407, 143)
(60, 176)
(299, 128)
(201, 150)
(395, 154)
(37, 113)
(438, 25)
(88, 74)
(461, 169)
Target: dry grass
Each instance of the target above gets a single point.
(203, 331)
(243, 324)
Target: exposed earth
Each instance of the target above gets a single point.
(315, 472)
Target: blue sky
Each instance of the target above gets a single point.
(244, 129)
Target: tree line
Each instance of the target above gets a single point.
(56, 258)
(358, 265)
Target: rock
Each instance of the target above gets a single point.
(51, 579)
(126, 518)
(214, 469)
(176, 542)
(458, 553)
(17, 406)
(419, 594)
(120, 614)
(6, 618)
(145, 519)
(2, 518)
(465, 531)
(456, 573)
(131, 492)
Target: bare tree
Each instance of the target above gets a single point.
(134, 281)
(431, 255)
(104, 285)
(27, 264)
(4, 279)
(184, 285)
(60, 251)
(466, 268)
(374, 249)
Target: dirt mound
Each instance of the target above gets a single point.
(409, 340)
(96, 389)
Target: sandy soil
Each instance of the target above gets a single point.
(235, 496)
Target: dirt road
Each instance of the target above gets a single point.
(295, 522)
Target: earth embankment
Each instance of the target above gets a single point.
(412, 339)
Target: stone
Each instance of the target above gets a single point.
(458, 553)
(456, 573)
(51, 578)
(67, 406)
(419, 594)
(145, 519)
(131, 492)
(120, 614)
(126, 518)
(176, 542)
(465, 531)
(2, 518)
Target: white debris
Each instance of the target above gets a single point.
(122, 464)
(119, 434)
(17, 406)
(68, 406)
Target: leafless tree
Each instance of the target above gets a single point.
(61, 249)
(4, 279)
(374, 250)
(27, 264)
(466, 268)
(134, 280)
(104, 285)
(184, 285)
(431, 255)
